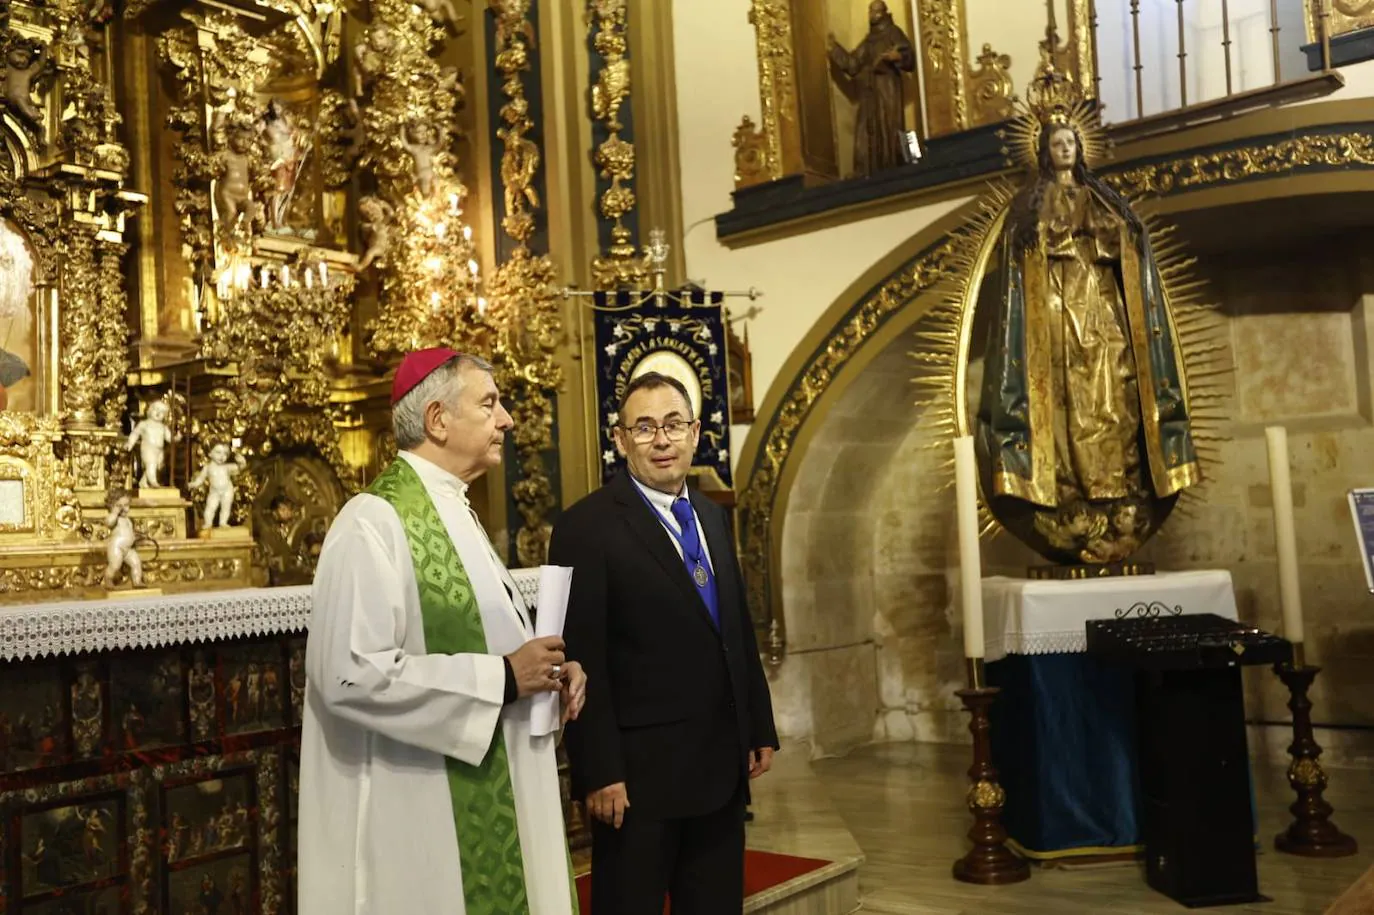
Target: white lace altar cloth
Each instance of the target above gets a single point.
(1048, 617)
(42, 630)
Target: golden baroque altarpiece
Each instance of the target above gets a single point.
(310, 187)
(303, 172)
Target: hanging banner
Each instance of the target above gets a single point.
(678, 334)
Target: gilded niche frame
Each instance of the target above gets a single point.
(956, 85)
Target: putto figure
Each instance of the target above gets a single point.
(119, 548)
(219, 500)
(152, 434)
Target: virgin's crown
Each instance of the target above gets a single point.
(1052, 96)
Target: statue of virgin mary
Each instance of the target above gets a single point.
(1083, 428)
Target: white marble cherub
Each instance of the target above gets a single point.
(152, 434)
(219, 500)
(119, 548)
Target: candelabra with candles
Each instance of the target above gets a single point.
(989, 861)
(1311, 834)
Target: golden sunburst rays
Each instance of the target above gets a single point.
(1022, 134)
(1204, 341)
(943, 338)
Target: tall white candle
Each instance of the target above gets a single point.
(970, 557)
(1285, 539)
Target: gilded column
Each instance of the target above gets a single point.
(614, 154)
(523, 296)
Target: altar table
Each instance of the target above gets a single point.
(1064, 726)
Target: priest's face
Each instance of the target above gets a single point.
(877, 12)
(471, 431)
(659, 459)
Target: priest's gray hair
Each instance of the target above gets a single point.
(443, 385)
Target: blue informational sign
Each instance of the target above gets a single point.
(1362, 510)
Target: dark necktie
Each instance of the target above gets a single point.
(694, 555)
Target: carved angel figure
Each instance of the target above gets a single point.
(421, 140)
(24, 60)
(371, 55)
(519, 165)
(376, 216)
(152, 434)
(219, 500)
(443, 12)
(234, 190)
(119, 548)
(512, 13)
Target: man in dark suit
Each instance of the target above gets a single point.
(678, 717)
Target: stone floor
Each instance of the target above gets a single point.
(903, 806)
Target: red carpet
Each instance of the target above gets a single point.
(762, 870)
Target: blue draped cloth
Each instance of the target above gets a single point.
(1064, 744)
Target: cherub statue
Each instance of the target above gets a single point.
(421, 140)
(371, 56)
(512, 13)
(24, 60)
(443, 12)
(153, 435)
(119, 548)
(234, 190)
(219, 500)
(519, 165)
(376, 216)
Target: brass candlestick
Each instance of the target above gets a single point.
(1311, 834)
(990, 861)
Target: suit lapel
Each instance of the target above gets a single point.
(644, 523)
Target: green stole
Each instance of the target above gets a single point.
(483, 800)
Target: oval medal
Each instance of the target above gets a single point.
(700, 575)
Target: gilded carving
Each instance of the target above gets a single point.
(1306, 773)
(1342, 16)
(429, 289)
(758, 499)
(991, 87)
(943, 43)
(986, 795)
(523, 294)
(160, 572)
(751, 154)
(772, 21)
(1202, 170)
(614, 156)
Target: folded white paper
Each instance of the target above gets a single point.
(554, 585)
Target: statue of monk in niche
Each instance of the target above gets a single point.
(876, 67)
(1083, 431)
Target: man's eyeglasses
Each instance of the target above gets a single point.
(645, 433)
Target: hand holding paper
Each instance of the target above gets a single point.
(554, 584)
